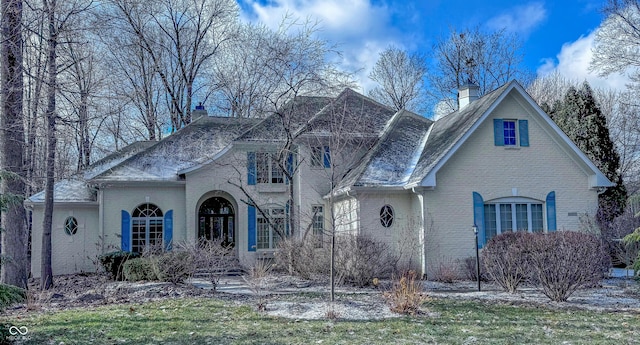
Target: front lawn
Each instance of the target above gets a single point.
(211, 321)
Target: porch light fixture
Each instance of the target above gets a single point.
(475, 231)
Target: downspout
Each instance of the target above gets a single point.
(101, 218)
(421, 232)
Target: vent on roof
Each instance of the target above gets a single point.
(467, 93)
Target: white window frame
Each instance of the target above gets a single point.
(277, 217)
(150, 221)
(512, 202)
(318, 224)
(317, 157)
(274, 175)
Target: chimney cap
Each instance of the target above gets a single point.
(200, 106)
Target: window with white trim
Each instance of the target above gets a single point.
(317, 157)
(267, 168)
(146, 227)
(318, 225)
(512, 216)
(267, 234)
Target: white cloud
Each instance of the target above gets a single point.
(361, 29)
(520, 19)
(573, 63)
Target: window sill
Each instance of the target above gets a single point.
(516, 148)
(271, 187)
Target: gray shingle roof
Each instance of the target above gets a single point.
(350, 111)
(293, 115)
(191, 145)
(392, 160)
(68, 190)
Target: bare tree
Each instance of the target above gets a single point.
(260, 69)
(179, 37)
(58, 18)
(400, 77)
(618, 39)
(487, 59)
(14, 268)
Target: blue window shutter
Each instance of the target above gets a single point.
(125, 233)
(478, 217)
(498, 132)
(289, 165)
(327, 157)
(168, 229)
(251, 235)
(551, 212)
(251, 168)
(524, 132)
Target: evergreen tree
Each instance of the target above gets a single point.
(579, 116)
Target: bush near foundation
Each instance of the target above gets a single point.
(173, 266)
(113, 262)
(359, 259)
(302, 257)
(504, 259)
(139, 269)
(564, 261)
(558, 263)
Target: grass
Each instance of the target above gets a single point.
(210, 321)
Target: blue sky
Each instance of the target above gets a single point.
(556, 35)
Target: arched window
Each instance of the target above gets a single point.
(146, 227)
(71, 226)
(386, 216)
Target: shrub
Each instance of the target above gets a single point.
(446, 271)
(214, 258)
(564, 261)
(10, 294)
(173, 266)
(139, 269)
(406, 295)
(504, 260)
(300, 257)
(471, 270)
(359, 259)
(113, 263)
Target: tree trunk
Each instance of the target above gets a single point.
(15, 237)
(46, 281)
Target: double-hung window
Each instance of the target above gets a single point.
(269, 234)
(511, 132)
(320, 157)
(318, 225)
(512, 216)
(267, 168)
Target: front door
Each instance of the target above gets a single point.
(217, 220)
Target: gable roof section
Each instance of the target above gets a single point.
(191, 145)
(449, 130)
(293, 115)
(392, 160)
(452, 131)
(413, 149)
(350, 113)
